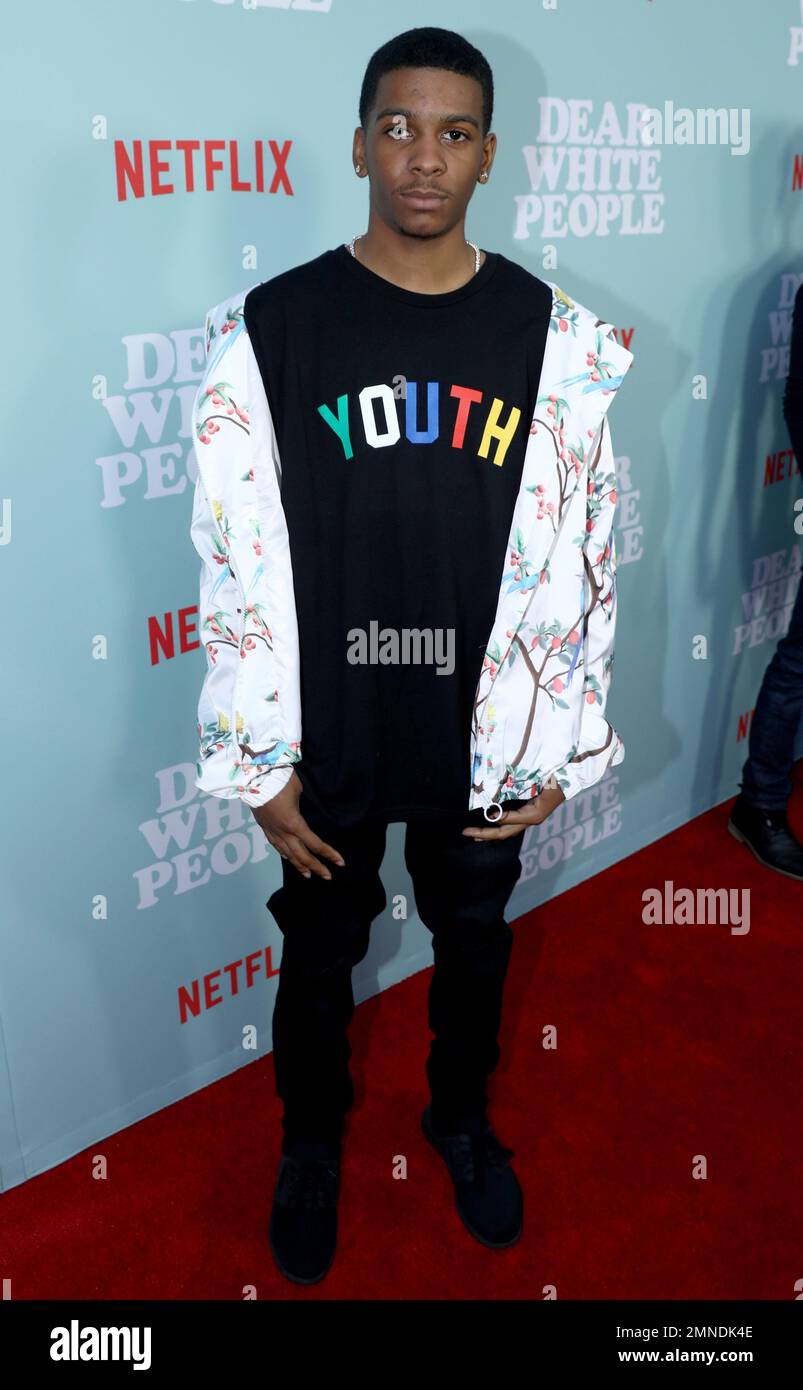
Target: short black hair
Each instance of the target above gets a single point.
(428, 47)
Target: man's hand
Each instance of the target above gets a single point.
(516, 822)
(289, 833)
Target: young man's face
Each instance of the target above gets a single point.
(424, 132)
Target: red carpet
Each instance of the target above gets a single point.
(674, 1042)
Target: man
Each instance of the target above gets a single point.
(405, 511)
(758, 816)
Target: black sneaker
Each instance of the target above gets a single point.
(303, 1223)
(768, 835)
(487, 1193)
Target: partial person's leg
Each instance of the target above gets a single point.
(326, 929)
(767, 773)
(462, 887)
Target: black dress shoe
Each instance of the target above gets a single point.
(487, 1193)
(303, 1224)
(767, 834)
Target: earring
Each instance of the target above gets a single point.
(483, 175)
(356, 168)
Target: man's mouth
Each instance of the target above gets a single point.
(423, 197)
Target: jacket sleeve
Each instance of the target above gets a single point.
(248, 708)
(598, 744)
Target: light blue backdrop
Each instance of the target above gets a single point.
(121, 885)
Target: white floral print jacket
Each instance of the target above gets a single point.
(540, 707)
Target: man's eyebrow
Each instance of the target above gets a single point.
(443, 120)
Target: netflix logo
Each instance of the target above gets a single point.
(780, 467)
(743, 725)
(157, 167)
(624, 336)
(225, 983)
(162, 634)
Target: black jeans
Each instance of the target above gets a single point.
(767, 773)
(461, 889)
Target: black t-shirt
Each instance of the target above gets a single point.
(401, 421)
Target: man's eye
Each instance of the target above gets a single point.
(398, 132)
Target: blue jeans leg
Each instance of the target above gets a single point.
(767, 773)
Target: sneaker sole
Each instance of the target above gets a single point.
(297, 1278)
(491, 1244)
(738, 835)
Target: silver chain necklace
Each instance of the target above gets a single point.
(472, 244)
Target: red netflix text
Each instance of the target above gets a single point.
(212, 164)
(211, 989)
(161, 634)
